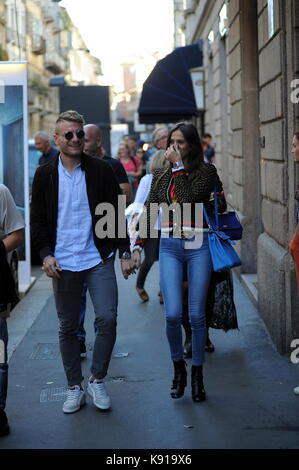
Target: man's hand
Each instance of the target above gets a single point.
(51, 267)
(127, 267)
(136, 259)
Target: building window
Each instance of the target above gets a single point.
(270, 18)
(211, 36)
(223, 21)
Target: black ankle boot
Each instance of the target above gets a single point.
(180, 379)
(198, 390)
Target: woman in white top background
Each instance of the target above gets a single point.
(151, 245)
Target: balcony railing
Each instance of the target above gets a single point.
(58, 24)
(54, 62)
(38, 45)
(49, 14)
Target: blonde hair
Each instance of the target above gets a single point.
(158, 161)
(70, 116)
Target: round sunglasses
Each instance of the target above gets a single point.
(69, 135)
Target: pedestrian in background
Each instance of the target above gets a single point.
(187, 180)
(42, 143)
(140, 155)
(11, 237)
(93, 147)
(150, 245)
(159, 142)
(65, 194)
(208, 149)
(131, 165)
(294, 244)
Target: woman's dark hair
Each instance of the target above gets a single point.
(296, 134)
(195, 158)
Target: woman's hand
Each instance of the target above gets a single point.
(133, 232)
(173, 154)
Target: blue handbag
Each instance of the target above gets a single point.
(227, 222)
(222, 252)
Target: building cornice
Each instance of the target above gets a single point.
(203, 12)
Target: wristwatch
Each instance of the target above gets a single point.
(126, 255)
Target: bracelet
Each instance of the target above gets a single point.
(178, 164)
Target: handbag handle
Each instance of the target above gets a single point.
(216, 208)
(216, 213)
(207, 218)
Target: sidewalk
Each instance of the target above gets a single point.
(250, 401)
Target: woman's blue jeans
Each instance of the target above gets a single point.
(173, 253)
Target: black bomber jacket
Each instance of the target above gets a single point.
(101, 187)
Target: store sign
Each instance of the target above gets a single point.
(14, 150)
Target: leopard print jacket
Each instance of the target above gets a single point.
(187, 191)
(197, 190)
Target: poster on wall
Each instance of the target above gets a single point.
(14, 151)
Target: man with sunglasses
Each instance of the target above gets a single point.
(65, 195)
(93, 147)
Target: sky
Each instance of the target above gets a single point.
(117, 30)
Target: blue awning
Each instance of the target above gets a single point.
(167, 94)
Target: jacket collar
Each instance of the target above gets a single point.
(84, 161)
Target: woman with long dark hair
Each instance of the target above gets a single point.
(188, 181)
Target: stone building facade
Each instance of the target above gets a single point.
(251, 63)
(42, 33)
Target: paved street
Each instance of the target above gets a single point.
(250, 401)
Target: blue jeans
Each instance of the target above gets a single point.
(3, 362)
(173, 253)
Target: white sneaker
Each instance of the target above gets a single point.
(75, 398)
(97, 390)
(296, 390)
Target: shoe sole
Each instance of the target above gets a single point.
(83, 402)
(105, 407)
